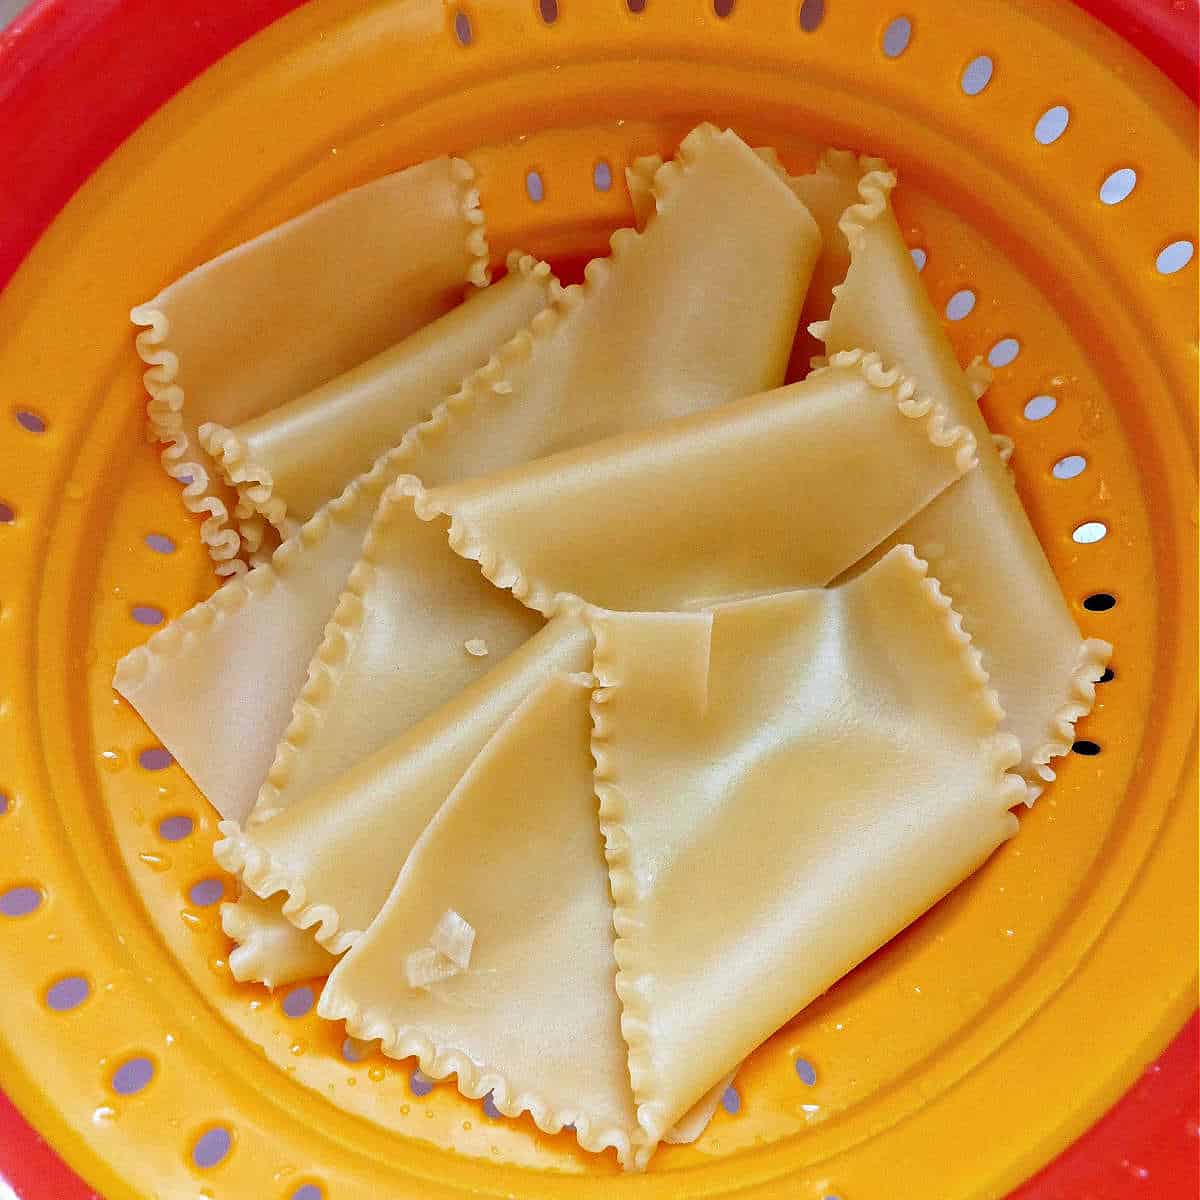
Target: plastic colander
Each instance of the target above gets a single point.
(1048, 189)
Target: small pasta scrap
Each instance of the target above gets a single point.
(271, 319)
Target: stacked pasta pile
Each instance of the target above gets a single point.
(578, 654)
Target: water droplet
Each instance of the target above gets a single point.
(404, 1110)
(74, 491)
(376, 1074)
(156, 862)
(112, 760)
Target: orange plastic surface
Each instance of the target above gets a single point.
(961, 1057)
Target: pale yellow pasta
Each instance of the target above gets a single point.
(336, 852)
(287, 462)
(535, 1018)
(977, 537)
(270, 949)
(781, 490)
(275, 317)
(838, 751)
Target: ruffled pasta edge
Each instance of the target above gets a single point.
(534, 593)
(473, 1080)
(321, 679)
(253, 482)
(170, 641)
(1091, 661)
(1005, 790)
(164, 410)
(266, 876)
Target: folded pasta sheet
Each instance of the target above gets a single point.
(784, 784)
(781, 490)
(289, 461)
(516, 852)
(272, 319)
(335, 854)
(977, 537)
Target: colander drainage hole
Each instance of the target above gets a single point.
(1171, 258)
(1089, 533)
(160, 543)
(420, 1084)
(806, 1071)
(211, 1147)
(30, 421)
(1038, 408)
(355, 1051)
(307, 1191)
(1108, 676)
(132, 1076)
(462, 28)
(1069, 466)
(1087, 748)
(636, 6)
(977, 74)
(207, 892)
(1004, 352)
(723, 8)
(548, 10)
(7, 513)
(175, 829)
(602, 176)
(535, 188)
(490, 1109)
(731, 1102)
(298, 1002)
(1052, 124)
(147, 614)
(919, 257)
(1118, 186)
(155, 758)
(20, 901)
(812, 13)
(960, 304)
(896, 37)
(67, 993)
(1100, 602)
(3, 804)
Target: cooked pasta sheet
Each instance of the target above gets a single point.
(725, 221)
(270, 949)
(784, 783)
(336, 852)
(534, 1017)
(289, 461)
(781, 490)
(977, 537)
(276, 317)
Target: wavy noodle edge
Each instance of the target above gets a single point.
(479, 270)
(253, 480)
(170, 641)
(1004, 790)
(164, 410)
(473, 1080)
(533, 592)
(263, 874)
(1091, 661)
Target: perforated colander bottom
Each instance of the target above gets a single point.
(967, 1051)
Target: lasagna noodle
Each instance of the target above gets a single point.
(273, 318)
(977, 537)
(782, 490)
(785, 783)
(287, 462)
(270, 949)
(535, 1018)
(335, 854)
